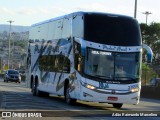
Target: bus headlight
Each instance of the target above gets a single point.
(134, 90)
(90, 87)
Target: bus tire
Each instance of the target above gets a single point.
(43, 94)
(117, 105)
(33, 88)
(37, 92)
(68, 99)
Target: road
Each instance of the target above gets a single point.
(16, 97)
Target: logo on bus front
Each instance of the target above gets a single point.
(103, 85)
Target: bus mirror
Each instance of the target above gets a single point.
(149, 53)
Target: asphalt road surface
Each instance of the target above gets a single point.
(16, 100)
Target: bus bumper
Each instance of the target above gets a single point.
(96, 96)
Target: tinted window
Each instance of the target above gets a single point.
(12, 72)
(77, 53)
(54, 63)
(112, 30)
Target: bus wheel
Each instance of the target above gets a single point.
(43, 94)
(117, 105)
(68, 99)
(37, 92)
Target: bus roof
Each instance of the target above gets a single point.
(79, 13)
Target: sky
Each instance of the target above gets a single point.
(28, 12)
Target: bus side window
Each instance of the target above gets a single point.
(66, 65)
(77, 56)
(60, 63)
(42, 63)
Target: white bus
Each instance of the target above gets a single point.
(86, 56)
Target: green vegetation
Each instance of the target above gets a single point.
(147, 74)
(151, 36)
(22, 44)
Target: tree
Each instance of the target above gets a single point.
(147, 74)
(151, 36)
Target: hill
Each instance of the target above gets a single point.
(15, 28)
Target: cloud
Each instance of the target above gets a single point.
(41, 10)
(92, 7)
(4, 10)
(28, 11)
(99, 7)
(57, 10)
(33, 11)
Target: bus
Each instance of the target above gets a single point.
(88, 56)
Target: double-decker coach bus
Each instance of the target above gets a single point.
(86, 56)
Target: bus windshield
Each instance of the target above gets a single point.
(112, 65)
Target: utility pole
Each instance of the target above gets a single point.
(10, 22)
(135, 9)
(147, 13)
(13, 52)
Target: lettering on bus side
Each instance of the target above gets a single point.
(122, 49)
(103, 85)
(107, 47)
(133, 86)
(114, 48)
(49, 49)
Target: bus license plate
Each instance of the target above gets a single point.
(112, 98)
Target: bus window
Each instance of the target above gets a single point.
(77, 57)
(54, 63)
(66, 65)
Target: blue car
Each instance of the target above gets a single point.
(12, 75)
